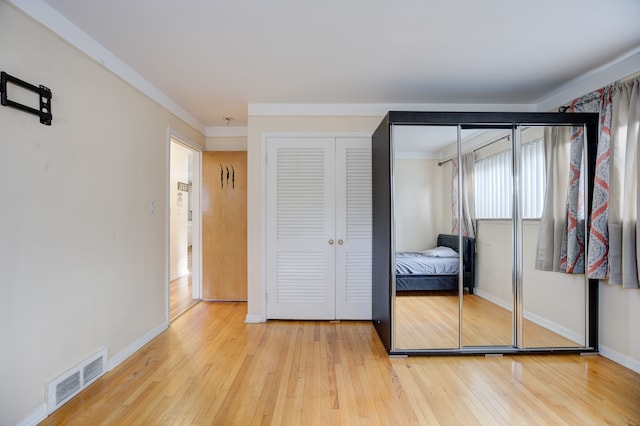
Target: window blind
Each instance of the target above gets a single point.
(494, 187)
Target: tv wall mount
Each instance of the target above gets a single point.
(43, 92)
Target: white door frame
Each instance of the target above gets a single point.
(196, 218)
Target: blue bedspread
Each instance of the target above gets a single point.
(414, 263)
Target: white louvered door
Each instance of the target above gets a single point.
(353, 228)
(318, 228)
(300, 228)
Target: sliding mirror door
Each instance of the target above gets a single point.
(530, 284)
(487, 198)
(426, 301)
(480, 225)
(554, 284)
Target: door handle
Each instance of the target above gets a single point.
(340, 242)
(330, 242)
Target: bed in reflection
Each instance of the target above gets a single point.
(437, 268)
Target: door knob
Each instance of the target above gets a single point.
(340, 242)
(331, 242)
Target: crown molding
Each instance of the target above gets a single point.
(617, 69)
(267, 109)
(54, 21)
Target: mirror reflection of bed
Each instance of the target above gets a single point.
(427, 284)
(427, 310)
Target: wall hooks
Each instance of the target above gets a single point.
(43, 92)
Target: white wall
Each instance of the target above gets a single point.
(446, 171)
(178, 212)
(620, 324)
(82, 257)
(226, 143)
(419, 193)
(494, 264)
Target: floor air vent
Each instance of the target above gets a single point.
(66, 386)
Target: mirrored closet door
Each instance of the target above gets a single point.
(479, 232)
(552, 237)
(421, 209)
(486, 185)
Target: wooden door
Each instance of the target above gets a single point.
(300, 228)
(224, 225)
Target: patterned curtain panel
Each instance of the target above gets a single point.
(600, 102)
(612, 243)
(573, 242)
(466, 224)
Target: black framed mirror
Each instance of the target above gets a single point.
(465, 207)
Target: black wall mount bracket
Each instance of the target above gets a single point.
(43, 92)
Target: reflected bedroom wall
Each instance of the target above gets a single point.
(419, 187)
(563, 312)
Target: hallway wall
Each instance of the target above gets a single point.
(81, 253)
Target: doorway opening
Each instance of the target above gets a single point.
(184, 284)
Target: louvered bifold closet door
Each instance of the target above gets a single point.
(300, 228)
(353, 228)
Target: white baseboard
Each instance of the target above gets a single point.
(620, 358)
(38, 415)
(178, 275)
(254, 319)
(492, 299)
(556, 328)
(135, 346)
(550, 325)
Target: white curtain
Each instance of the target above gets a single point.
(553, 223)
(466, 224)
(624, 235)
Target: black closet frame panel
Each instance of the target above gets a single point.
(381, 233)
(382, 184)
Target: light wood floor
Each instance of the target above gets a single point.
(211, 368)
(430, 320)
(180, 292)
(180, 296)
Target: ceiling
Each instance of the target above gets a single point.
(213, 58)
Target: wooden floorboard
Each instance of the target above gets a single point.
(180, 292)
(180, 296)
(210, 367)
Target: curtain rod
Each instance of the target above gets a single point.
(478, 148)
(565, 108)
